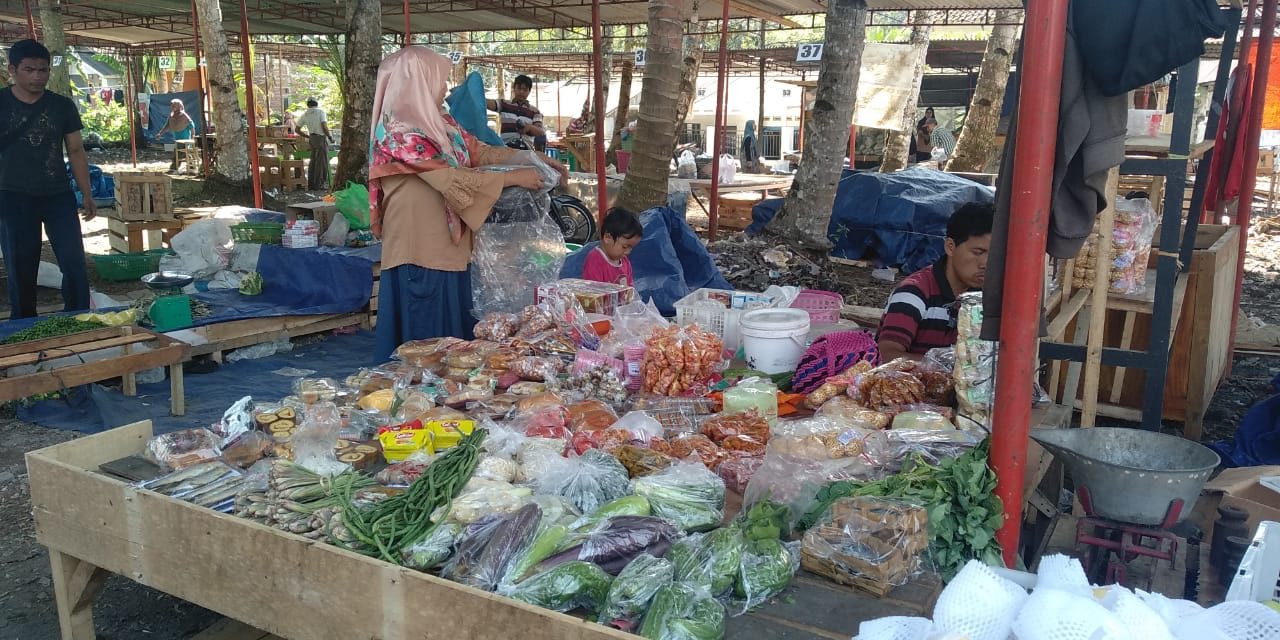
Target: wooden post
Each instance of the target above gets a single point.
(131, 105)
(75, 585)
(717, 140)
(597, 63)
(408, 30)
(255, 174)
(1098, 304)
(128, 381)
(205, 116)
(31, 21)
(177, 392)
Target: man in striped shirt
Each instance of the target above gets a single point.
(921, 314)
(941, 138)
(521, 121)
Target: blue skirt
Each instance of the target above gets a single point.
(415, 303)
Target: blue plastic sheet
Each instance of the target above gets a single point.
(95, 408)
(158, 114)
(1257, 439)
(467, 106)
(101, 185)
(296, 282)
(899, 218)
(668, 263)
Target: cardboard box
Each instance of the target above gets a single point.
(595, 297)
(1240, 488)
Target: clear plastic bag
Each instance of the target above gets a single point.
(681, 360)
(794, 481)
(685, 494)
(537, 457)
(247, 449)
(236, 420)
(313, 390)
(587, 481)
(433, 550)
(633, 589)
(975, 366)
(180, 449)
(640, 461)
(820, 438)
(1135, 225)
(511, 258)
(766, 569)
(685, 445)
(509, 537)
(497, 326)
(518, 204)
(737, 472)
(888, 385)
(877, 540)
(314, 439)
(616, 541)
(632, 324)
(848, 411)
(682, 612)
(565, 587)
(426, 354)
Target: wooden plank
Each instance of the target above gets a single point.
(128, 381)
(1118, 412)
(76, 375)
(148, 538)
(1058, 326)
(251, 332)
(228, 629)
(177, 391)
(1126, 342)
(1098, 310)
(865, 316)
(124, 441)
(58, 341)
(50, 353)
(75, 584)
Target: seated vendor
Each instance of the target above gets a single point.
(921, 314)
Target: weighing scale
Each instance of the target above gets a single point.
(171, 309)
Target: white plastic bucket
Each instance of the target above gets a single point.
(774, 339)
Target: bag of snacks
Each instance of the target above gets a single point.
(681, 360)
(689, 444)
(748, 423)
(427, 354)
(537, 368)
(497, 326)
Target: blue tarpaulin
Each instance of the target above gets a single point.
(898, 218)
(94, 408)
(158, 114)
(668, 263)
(1257, 439)
(467, 106)
(101, 185)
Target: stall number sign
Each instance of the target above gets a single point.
(455, 57)
(166, 62)
(56, 61)
(640, 58)
(809, 52)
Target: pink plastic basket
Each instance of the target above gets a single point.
(823, 306)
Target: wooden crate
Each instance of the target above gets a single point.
(735, 209)
(1201, 340)
(134, 236)
(281, 583)
(321, 211)
(143, 196)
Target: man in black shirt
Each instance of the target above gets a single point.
(34, 190)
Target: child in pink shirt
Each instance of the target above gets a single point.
(608, 262)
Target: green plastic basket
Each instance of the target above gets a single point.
(119, 267)
(258, 232)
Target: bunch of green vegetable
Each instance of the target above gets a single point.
(251, 284)
(765, 520)
(632, 590)
(766, 568)
(683, 612)
(686, 494)
(543, 546)
(396, 523)
(52, 328)
(959, 494)
(566, 587)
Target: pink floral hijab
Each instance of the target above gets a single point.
(412, 132)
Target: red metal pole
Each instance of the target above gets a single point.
(717, 145)
(1246, 37)
(408, 31)
(1044, 39)
(597, 64)
(250, 105)
(204, 106)
(1244, 205)
(31, 21)
(131, 104)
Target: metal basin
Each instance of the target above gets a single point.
(167, 280)
(1132, 475)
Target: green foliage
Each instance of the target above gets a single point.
(108, 119)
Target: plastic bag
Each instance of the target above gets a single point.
(686, 494)
(748, 423)
(587, 481)
(482, 498)
(640, 461)
(236, 420)
(633, 589)
(975, 367)
(433, 550)
(631, 325)
(353, 203)
(848, 411)
(537, 457)
(537, 368)
(682, 612)
(313, 441)
(737, 472)
(819, 438)
(794, 481)
(200, 249)
(921, 421)
(871, 539)
(728, 169)
(336, 234)
(616, 541)
(509, 537)
(686, 166)
(888, 385)
(427, 354)
(497, 326)
(591, 415)
(681, 360)
(566, 587)
(684, 445)
(766, 569)
(313, 390)
(513, 256)
(247, 449)
(180, 449)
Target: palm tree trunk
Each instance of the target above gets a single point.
(898, 145)
(54, 39)
(692, 63)
(646, 183)
(233, 137)
(806, 213)
(364, 52)
(620, 114)
(976, 148)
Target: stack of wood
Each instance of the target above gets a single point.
(282, 174)
(143, 196)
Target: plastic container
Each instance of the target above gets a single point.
(1258, 578)
(170, 313)
(720, 312)
(753, 393)
(774, 339)
(823, 306)
(122, 267)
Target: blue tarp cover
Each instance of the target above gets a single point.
(101, 185)
(1257, 439)
(467, 106)
(668, 263)
(900, 218)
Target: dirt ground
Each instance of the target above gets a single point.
(128, 611)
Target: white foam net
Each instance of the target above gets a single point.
(1235, 620)
(1050, 614)
(895, 628)
(979, 604)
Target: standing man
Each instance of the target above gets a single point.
(34, 190)
(316, 125)
(940, 138)
(521, 121)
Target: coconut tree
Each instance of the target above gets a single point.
(233, 138)
(362, 54)
(806, 212)
(898, 145)
(646, 183)
(52, 36)
(976, 148)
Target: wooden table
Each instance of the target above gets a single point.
(744, 183)
(60, 362)
(133, 236)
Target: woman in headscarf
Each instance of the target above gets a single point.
(750, 150)
(426, 200)
(181, 127)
